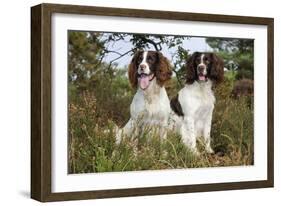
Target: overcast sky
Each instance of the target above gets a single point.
(192, 44)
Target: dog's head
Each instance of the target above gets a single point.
(202, 67)
(147, 66)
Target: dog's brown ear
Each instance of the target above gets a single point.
(190, 68)
(132, 71)
(163, 71)
(217, 69)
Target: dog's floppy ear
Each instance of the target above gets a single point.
(132, 71)
(163, 71)
(217, 69)
(190, 68)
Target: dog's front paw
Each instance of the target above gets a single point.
(209, 150)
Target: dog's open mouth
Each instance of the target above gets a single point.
(202, 77)
(144, 80)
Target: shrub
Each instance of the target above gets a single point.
(232, 126)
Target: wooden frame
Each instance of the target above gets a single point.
(41, 101)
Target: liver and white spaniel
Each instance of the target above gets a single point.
(194, 104)
(150, 108)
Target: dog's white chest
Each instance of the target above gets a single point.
(152, 108)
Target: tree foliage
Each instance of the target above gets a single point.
(84, 50)
(238, 55)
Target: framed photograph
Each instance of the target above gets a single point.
(128, 102)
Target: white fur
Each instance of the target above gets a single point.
(197, 102)
(145, 64)
(202, 64)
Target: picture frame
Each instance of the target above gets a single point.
(41, 101)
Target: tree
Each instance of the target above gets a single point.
(238, 55)
(84, 57)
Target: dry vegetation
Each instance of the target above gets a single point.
(94, 113)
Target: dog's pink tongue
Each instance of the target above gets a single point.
(202, 78)
(144, 82)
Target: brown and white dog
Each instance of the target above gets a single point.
(194, 104)
(150, 108)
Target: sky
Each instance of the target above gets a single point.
(192, 44)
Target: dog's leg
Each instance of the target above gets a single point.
(207, 132)
(188, 134)
(163, 132)
(126, 131)
(164, 128)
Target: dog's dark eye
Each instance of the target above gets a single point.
(149, 59)
(206, 59)
(139, 59)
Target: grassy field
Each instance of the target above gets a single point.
(94, 113)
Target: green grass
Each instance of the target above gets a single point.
(92, 146)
